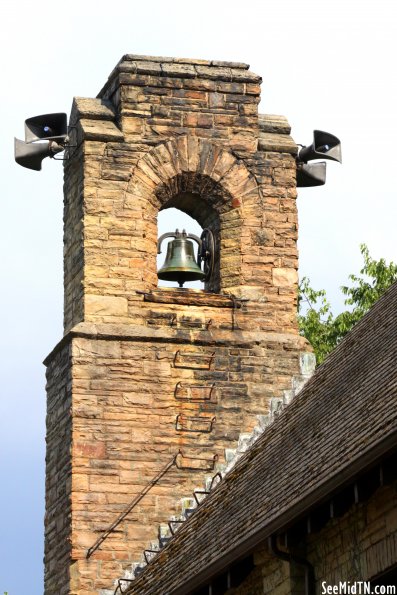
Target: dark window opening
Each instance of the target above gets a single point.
(232, 578)
(388, 578)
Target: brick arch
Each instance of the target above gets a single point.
(207, 182)
(204, 166)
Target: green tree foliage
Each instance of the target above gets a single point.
(317, 322)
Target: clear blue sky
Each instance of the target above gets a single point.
(326, 64)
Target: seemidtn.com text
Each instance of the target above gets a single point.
(356, 588)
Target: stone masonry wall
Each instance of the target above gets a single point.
(149, 371)
(73, 256)
(58, 474)
(235, 174)
(270, 576)
(139, 397)
(368, 535)
(356, 547)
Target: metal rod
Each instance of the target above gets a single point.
(127, 580)
(187, 323)
(209, 356)
(201, 420)
(217, 475)
(210, 462)
(146, 552)
(179, 385)
(132, 505)
(175, 522)
(310, 587)
(202, 493)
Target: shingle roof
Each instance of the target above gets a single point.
(343, 420)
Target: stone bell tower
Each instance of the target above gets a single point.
(150, 389)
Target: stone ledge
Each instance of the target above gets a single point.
(222, 63)
(93, 109)
(98, 130)
(182, 68)
(191, 297)
(93, 119)
(279, 143)
(186, 70)
(133, 332)
(274, 124)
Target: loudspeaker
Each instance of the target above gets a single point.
(310, 174)
(46, 127)
(51, 128)
(324, 146)
(31, 155)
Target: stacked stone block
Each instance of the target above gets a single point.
(152, 372)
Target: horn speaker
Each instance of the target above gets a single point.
(46, 127)
(45, 136)
(310, 174)
(31, 155)
(324, 146)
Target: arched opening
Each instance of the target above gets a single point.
(188, 211)
(211, 185)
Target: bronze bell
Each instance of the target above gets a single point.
(180, 263)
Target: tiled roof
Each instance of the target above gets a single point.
(343, 420)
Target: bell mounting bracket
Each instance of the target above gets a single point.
(206, 253)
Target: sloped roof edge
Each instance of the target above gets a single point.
(343, 421)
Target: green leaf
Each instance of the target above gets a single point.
(315, 318)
